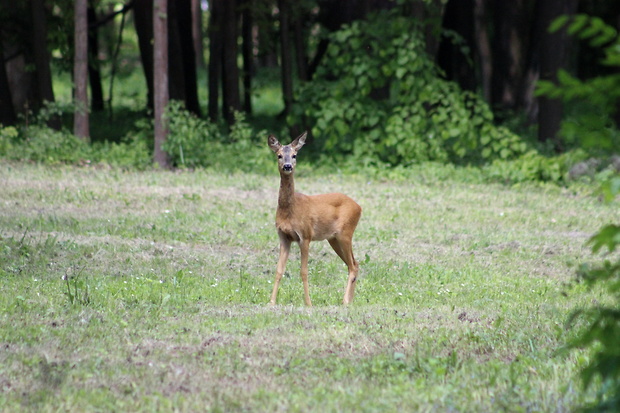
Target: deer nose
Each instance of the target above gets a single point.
(287, 167)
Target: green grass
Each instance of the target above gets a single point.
(127, 291)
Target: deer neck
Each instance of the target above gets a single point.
(286, 197)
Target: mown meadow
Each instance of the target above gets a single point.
(148, 290)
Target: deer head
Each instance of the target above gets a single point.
(287, 154)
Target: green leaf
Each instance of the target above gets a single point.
(611, 188)
(608, 236)
(558, 23)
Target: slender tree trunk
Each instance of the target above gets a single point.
(94, 74)
(143, 21)
(483, 48)
(230, 75)
(7, 111)
(553, 56)
(176, 73)
(215, 57)
(458, 17)
(45, 92)
(248, 55)
(197, 34)
(285, 55)
(507, 53)
(80, 73)
(531, 71)
(184, 27)
(300, 49)
(160, 77)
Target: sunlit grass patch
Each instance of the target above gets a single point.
(148, 291)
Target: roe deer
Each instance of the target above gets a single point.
(304, 218)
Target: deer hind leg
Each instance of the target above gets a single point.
(344, 248)
(304, 246)
(285, 248)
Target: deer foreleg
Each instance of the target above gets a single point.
(304, 246)
(285, 248)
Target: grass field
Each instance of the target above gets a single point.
(148, 291)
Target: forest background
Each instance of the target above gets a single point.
(377, 83)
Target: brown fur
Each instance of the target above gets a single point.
(303, 218)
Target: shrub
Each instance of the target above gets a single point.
(194, 142)
(596, 99)
(533, 166)
(41, 144)
(190, 139)
(379, 97)
(602, 332)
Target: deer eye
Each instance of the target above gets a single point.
(279, 156)
(294, 156)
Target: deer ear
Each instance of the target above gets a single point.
(273, 143)
(299, 141)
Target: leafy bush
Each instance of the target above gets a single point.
(593, 128)
(132, 152)
(39, 143)
(533, 166)
(35, 141)
(592, 125)
(194, 142)
(8, 136)
(190, 139)
(602, 333)
(379, 97)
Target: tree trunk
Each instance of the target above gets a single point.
(230, 74)
(531, 69)
(184, 27)
(507, 53)
(176, 73)
(143, 21)
(429, 13)
(553, 56)
(215, 57)
(94, 74)
(160, 76)
(248, 56)
(80, 72)
(483, 48)
(197, 34)
(7, 111)
(458, 17)
(45, 92)
(285, 55)
(300, 48)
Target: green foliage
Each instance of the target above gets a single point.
(190, 139)
(379, 97)
(42, 144)
(591, 126)
(37, 142)
(594, 128)
(8, 136)
(132, 152)
(602, 333)
(194, 142)
(533, 166)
